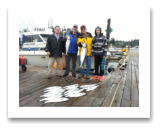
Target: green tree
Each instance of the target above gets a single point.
(112, 41)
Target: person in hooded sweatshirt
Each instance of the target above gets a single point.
(99, 52)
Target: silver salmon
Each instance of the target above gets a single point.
(83, 54)
(67, 44)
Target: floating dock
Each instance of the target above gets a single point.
(120, 88)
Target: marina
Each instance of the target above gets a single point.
(120, 87)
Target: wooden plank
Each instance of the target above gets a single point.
(26, 96)
(35, 88)
(127, 89)
(80, 100)
(34, 94)
(117, 79)
(134, 97)
(99, 100)
(109, 96)
(71, 100)
(95, 92)
(134, 89)
(33, 100)
(119, 94)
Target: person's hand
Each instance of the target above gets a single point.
(82, 43)
(63, 54)
(104, 56)
(66, 37)
(93, 57)
(48, 53)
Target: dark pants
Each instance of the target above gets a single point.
(68, 58)
(99, 61)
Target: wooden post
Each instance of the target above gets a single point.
(108, 33)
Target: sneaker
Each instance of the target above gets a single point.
(87, 77)
(81, 76)
(65, 75)
(95, 77)
(101, 78)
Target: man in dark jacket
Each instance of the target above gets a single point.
(72, 52)
(54, 48)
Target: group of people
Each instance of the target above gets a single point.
(96, 49)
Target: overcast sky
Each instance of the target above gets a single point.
(123, 21)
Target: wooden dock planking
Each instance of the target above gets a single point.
(32, 79)
(80, 100)
(127, 88)
(34, 95)
(32, 82)
(96, 92)
(99, 100)
(134, 88)
(58, 104)
(118, 97)
(35, 101)
(36, 88)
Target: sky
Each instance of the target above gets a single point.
(124, 21)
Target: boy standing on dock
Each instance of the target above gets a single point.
(54, 48)
(99, 52)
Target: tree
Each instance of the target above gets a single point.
(112, 41)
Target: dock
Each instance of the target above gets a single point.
(120, 88)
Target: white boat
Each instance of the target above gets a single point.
(33, 48)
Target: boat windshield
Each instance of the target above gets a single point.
(33, 38)
(45, 36)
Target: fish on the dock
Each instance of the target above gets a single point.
(67, 44)
(54, 91)
(52, 95)
(56, 100)
(73, 91)
(53, 87)
(83, 54)
(74, 86)
(75, 95)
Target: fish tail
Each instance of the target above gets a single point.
(80, 67)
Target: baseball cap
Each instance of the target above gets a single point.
(83, 26)
(75, 25)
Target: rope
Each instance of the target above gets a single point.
(118, 83)
(116, 90)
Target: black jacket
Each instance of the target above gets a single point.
(55, 48)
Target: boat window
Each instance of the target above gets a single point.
(28, 38)
(41, 48)
(45, 37)
(36, 38)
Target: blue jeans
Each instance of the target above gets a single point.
(88, 65)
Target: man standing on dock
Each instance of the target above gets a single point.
(54, 48)
(85, 38)
(72, 52)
